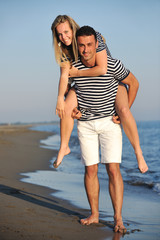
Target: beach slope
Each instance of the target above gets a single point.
(28, 211)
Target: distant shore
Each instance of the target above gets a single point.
(28, 211)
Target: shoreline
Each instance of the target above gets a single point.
(29, 211)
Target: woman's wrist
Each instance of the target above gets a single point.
(60, 97)
(79, 73)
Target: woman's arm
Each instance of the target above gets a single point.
(99, 69)
(63, 83)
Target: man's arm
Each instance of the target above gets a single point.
(133, 85)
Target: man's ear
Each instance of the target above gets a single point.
(97, 44)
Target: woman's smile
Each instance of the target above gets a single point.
(65, 33)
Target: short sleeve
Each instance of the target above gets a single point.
(102, 45)
(120, 72)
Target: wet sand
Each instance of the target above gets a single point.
(28, 211)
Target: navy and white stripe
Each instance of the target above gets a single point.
(96, 95)
(102, 45)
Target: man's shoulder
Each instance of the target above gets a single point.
(116, 67)
(113, 62)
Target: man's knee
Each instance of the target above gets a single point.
(91, 171)
(113, 170)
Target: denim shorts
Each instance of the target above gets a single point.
(97, 136)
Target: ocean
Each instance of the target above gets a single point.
(141, 206)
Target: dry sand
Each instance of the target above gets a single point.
(28, 211)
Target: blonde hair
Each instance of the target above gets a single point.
(61, 51)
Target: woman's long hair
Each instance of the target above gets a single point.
(62, 52)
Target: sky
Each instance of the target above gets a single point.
(29, 74)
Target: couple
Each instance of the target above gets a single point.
(96, 99)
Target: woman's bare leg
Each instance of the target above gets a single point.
(66, 127)
(129, 125)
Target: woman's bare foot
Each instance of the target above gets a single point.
(62, 152)
(119, 227)
(142, 165)
(94, 218)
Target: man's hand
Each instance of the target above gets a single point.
(116, 119)
(76, 114)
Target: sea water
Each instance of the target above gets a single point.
(138, 188)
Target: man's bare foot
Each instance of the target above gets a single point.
(94, 218)
(119, 227)
(61, 154)
(142, 165)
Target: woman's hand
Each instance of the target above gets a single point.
(60, 107)
(116, 119)
(73, 72)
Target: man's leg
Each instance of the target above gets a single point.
(92, 190)
(116, 193)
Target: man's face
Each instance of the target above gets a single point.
(87, 47)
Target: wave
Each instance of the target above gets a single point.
(149, 136)
(156, 188)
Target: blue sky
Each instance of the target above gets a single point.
(29, 74)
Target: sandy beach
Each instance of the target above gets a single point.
(28, 211)
(33, 211)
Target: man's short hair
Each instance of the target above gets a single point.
(86, 31)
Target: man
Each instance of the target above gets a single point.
(96, 98)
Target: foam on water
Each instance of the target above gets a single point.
(156, 188)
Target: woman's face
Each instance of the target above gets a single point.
(65, 33)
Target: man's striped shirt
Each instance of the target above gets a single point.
(96, 95)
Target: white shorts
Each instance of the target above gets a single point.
(100, 134)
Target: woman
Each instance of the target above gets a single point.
(64, 38)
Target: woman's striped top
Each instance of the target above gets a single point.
(102, 45)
